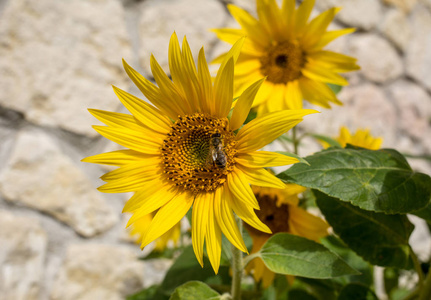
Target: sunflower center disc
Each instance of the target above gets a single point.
(275, 217)
(198, 152)
(282, 62)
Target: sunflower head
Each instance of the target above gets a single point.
(361, 138)
(184, 150)
(288, 49)
(279, 210)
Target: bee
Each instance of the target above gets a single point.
(216, 155)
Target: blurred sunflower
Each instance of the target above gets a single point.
(361, 138)
(138, 228)
(279, 210)
(288, 50)
(184, 151)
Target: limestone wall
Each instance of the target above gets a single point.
(62, 239)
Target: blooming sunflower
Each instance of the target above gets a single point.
(361, 138)
(138, 228)
(184, 150)
(279, 210)
(288, 50)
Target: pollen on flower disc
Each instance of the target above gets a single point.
(187, 152)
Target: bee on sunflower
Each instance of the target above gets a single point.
(283, 46)
(184, 150)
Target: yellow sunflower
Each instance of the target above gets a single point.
(184, 151)
(283, 46)
(279, 210)
(361, 138)
(138, 228)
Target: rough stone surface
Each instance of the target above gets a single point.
(356, 13)
(160, 18)
(404, 5)
(414, 105)
(378, 59)
(396, 28)
(59, 57)
(418, 58)
(22, 256)
(96, 271)
(371, 110)
(40, 176)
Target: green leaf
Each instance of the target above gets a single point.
(391, 276)
(145, 294)
(380, 181)
(331, 142)
(424, 213)
(301, 159)
(379, 238)
(356, 291)
(186, 268)
(358, 263)
(335, 88)
(297, 294)
(294, 255)
(194, 290)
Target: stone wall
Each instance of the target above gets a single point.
(62, 239)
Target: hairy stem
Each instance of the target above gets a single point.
(295, 141)
(237, 268)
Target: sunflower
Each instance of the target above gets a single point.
(137, 228)
(279, 210)
(288, 50)
(183, 150)
(361, 138)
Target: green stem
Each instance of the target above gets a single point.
(425, 293)
(295, 141)
(418, 268)
(237, 268)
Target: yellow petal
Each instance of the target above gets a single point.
(223, 90)
(126, 185)
(151, 92)
(321, 74)
(246, 213)
(243, 105)
(145, 142)
(293, 95)
(288, 13)
(305, 224)
(317, 27)
(252, 27)
(240, 188)
(115, 119)
(261, 159)
(117, 158)
(169, 90)
(329, 36)
(167, 216)
(261, 177)
(277, 99)
(151, 196)
(231, 35)
(270, 18)
(302, 14)
(317, 92)
(264, 93)
(226, 220)
(137, 169)
(336, 62)
(213, 237)
(263, 130)
(145, 113)
(145, 203)
(202, 208)
(204, 76)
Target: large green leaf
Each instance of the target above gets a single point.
(380, 181)
(194, 290)
(294, 255)
(424, 213)
(379, 238)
